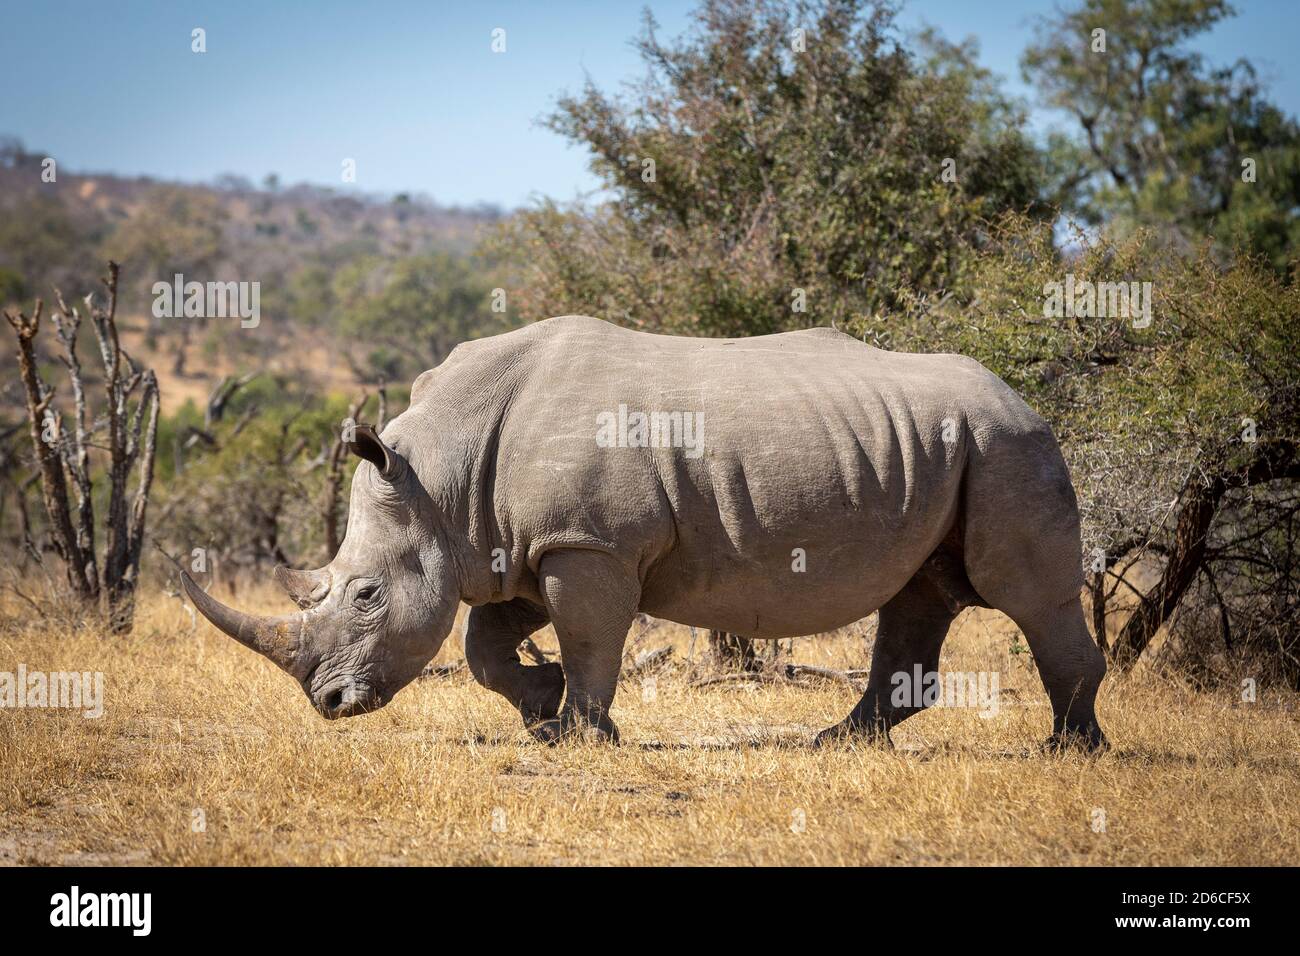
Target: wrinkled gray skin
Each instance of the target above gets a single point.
(915, 485)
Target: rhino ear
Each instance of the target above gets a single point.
(366, 444)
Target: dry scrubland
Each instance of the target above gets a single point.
(705, 775)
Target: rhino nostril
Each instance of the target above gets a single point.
(333, 699)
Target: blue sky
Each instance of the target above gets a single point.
(411, 91)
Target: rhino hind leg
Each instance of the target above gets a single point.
(591, 600)
(492, 634)
(1022, 553)
(912, 627)
(1071, 666)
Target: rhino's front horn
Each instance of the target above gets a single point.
(277, 638)
(306, 588)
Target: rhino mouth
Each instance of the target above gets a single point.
(346, 697)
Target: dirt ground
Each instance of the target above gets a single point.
(205, 754)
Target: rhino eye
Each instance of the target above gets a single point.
(366, 593)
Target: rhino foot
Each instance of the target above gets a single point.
(849, 731)
(567, 727)
(1089, 740)
(545, 690)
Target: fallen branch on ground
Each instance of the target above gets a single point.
(793, 675)
(755, 677)
(442, 670)
(795, 671)
(647, 661)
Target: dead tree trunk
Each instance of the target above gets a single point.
(131, 417)
(334, 480)
(381, 415)
(220, 396)
(1097, 589)
(1186, 553)
(46, 426)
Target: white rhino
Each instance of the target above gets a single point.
(576, 472)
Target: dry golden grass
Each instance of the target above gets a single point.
(709, 775)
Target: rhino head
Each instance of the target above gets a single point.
(374, 616)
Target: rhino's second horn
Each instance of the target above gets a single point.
(306, 588)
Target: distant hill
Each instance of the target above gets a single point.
(294, 221)
(292, 240)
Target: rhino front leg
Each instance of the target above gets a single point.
(492, 634)
(591, 599)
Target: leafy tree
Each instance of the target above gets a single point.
(409, 314)
(245, 493)
(175, 229)
(42, 245)
(1161, 136)
(784, 165)
(12, 286)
